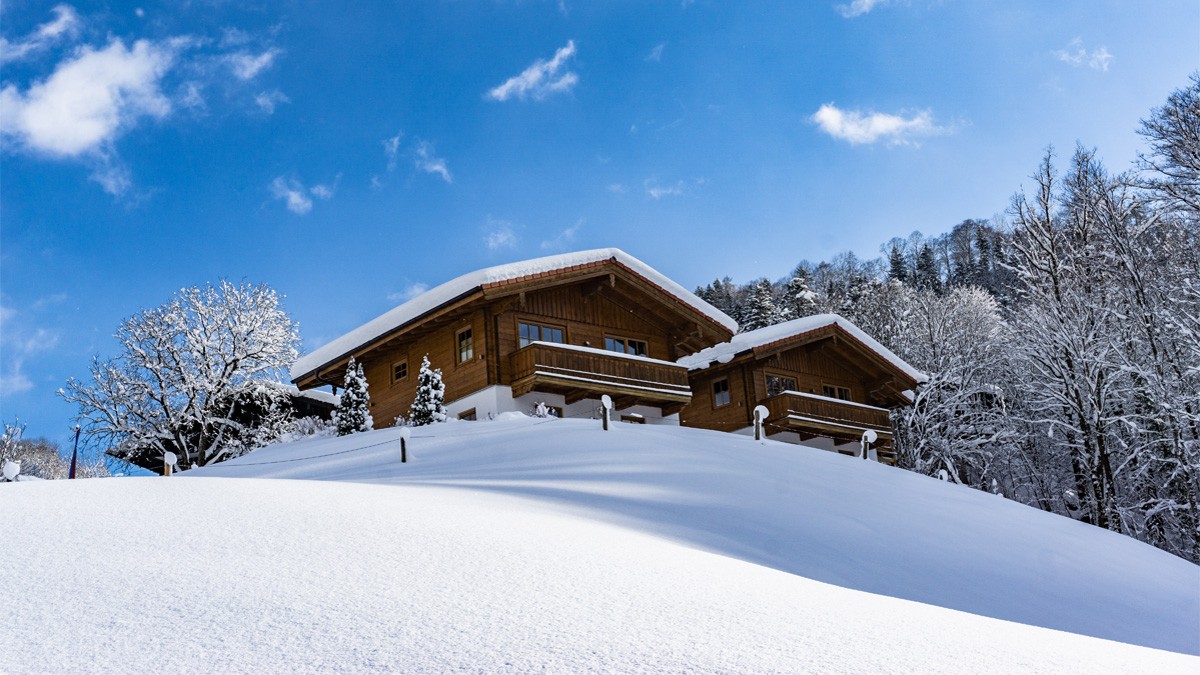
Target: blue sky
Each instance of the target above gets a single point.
(350, 154)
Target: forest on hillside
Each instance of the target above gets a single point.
(1062, 339)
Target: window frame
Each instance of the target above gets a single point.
(626, 342)
(837, 392)
(458, 345)
(395, 364)
(767, 375)
(541, 326)
(712, 388)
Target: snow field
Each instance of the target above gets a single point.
(303, 576)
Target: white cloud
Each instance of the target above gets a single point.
(293, 193)
(14, 382)
(500, 236)
(429, 163)
(540, 79)
(410, 291)
(111, 174)
(618, 188)
(89, 99)
(657, 191)
(299, 198)
(857, 127)
(858, 7)
(246, 66)
(1076, 55)
(16, 344)
(191, 97)
(563, 239)
(267, 100)
(64, 24)
(391, 148)
(656, 53)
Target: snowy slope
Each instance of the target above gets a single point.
(528, 545)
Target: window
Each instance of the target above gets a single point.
(467, 414)
(535, 332)
(777, 384)
(836, 392)
(625, 346)
(720, 393)
(399, 371)
(466, 345)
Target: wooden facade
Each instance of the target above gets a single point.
(476, 340)
(824, 383)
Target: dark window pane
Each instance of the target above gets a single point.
(721, 392)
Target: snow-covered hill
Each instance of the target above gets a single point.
(529, 544)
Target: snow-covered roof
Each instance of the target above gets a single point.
(743, 342)
(500, 274)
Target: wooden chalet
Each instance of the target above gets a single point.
(823, 381)
(561, 330)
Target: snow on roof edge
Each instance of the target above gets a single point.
(466, 283)
(743, 342)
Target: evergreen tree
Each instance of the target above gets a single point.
(428, 407)
(927, 277)
(897, 265)
(354, 411)
(761, 310)
(800, 300)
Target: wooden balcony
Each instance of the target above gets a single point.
(582, 372)
(813, 416)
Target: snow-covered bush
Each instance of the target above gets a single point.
(308, 427)
(429, 405)
(353, 413)
(540, 409)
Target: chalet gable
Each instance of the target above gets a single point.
(852, 347)
(612, 273)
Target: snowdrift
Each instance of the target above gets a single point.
(527, 544)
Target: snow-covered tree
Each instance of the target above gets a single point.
(1172, 168)
(428, 407)
(958, 421)
(761, 310)
(183, 371)
(799, 299)
(353, 413)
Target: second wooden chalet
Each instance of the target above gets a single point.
(561, 330)
(823, 381)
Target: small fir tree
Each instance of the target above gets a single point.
(761, 310)
(354, 410)
(428, 407)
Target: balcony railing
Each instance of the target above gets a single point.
(583, 372)
(843, 421)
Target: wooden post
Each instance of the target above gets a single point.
(169, 460)
(405, 433)
(606, 405)
(760, 415)
(869, 436)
